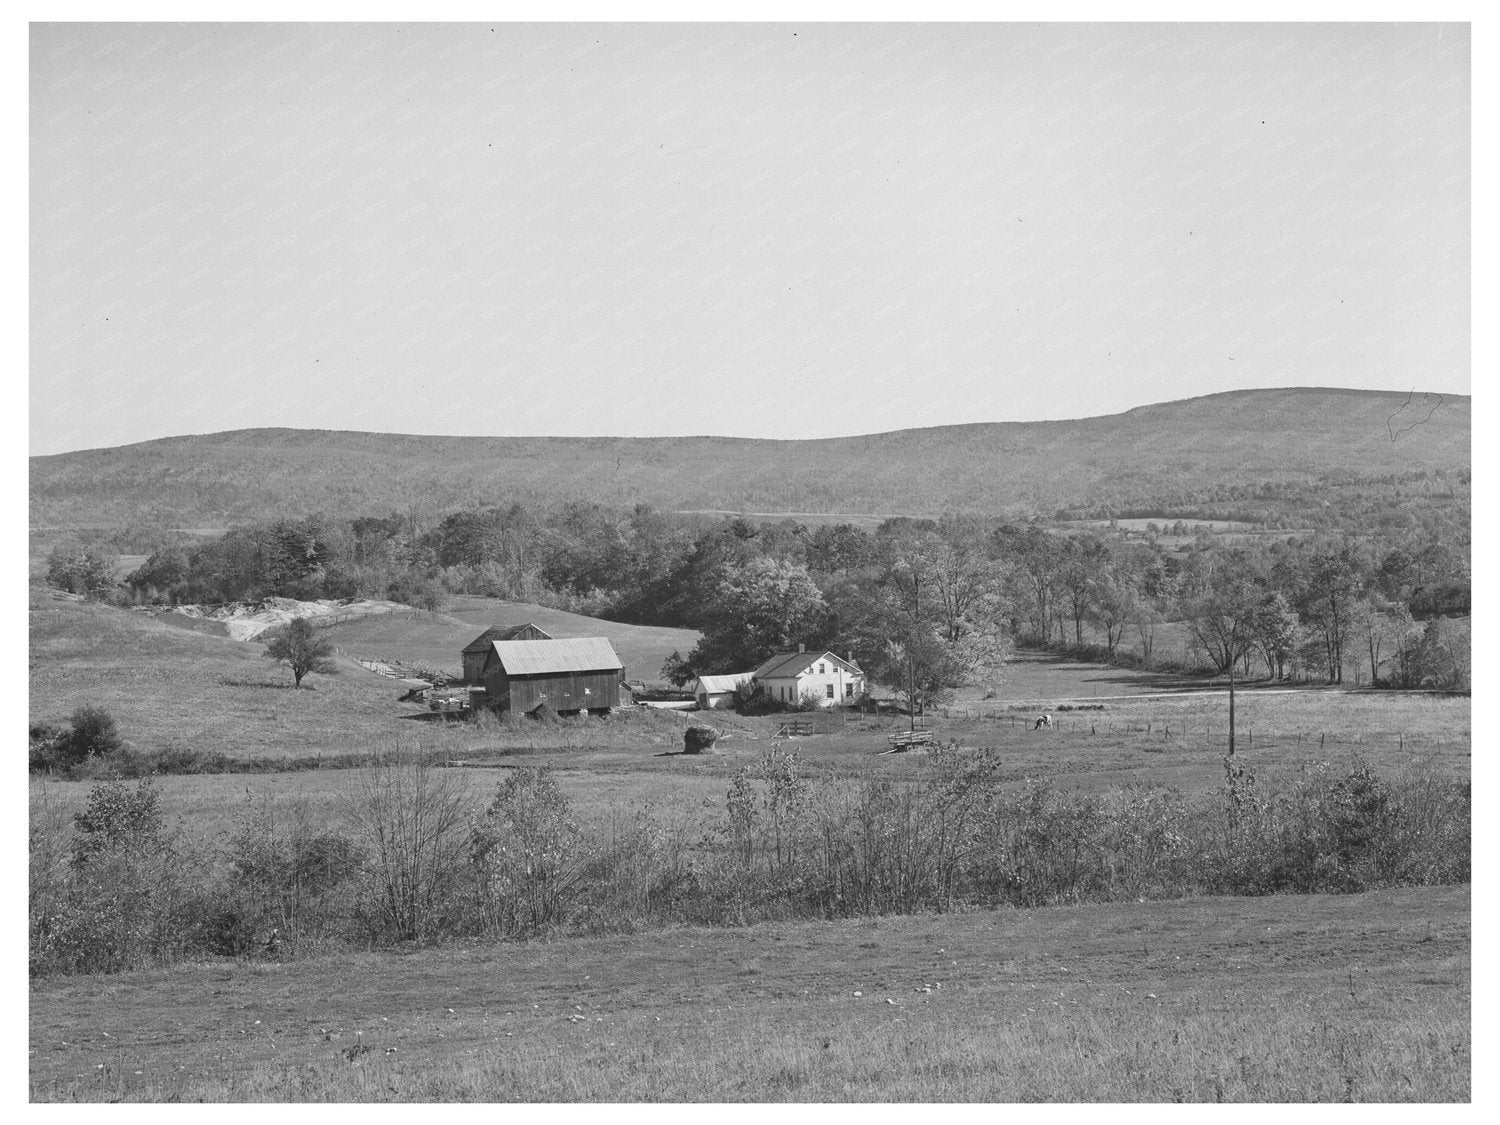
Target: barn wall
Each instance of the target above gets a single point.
(562, 691)
(474, 660)
(474, 666)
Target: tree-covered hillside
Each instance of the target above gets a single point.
(1279, 458)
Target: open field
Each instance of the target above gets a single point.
(608, 768)
(1359, 998)
(167, 685)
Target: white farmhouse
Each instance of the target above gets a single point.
(714, 692)
(789, 676)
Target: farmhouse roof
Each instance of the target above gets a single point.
(498, 633)
(785, 664)
(713, 684)
(571, 654)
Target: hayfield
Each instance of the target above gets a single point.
(1361, 998)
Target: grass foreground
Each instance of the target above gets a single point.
(1362, 998)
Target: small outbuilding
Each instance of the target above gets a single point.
(789, 677)
(571, 674)
(477, 651)
(716, 692)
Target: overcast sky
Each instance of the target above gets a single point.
(783, 230)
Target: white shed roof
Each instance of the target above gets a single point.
(714, 684)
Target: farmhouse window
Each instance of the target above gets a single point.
(830, 690)
(848, 691)
(821, 669)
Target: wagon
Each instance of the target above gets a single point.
(903, 740)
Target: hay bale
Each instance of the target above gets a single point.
(699, 739)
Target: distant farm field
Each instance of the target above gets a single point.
(1357, 998)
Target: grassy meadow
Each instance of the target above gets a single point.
(1277, 999)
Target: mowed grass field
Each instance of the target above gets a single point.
(1361, 998)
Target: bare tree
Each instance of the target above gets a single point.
(410, 815)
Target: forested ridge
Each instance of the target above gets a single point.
(1279, 458)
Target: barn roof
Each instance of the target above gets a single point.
(712, 684)
(571, 654)
(481, 643)
(785, 664)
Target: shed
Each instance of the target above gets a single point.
(714, 692)
(788, 677)
(477, 650)
(572, 674)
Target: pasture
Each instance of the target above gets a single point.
(1277, 999)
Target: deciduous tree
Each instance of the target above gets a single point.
(298, 645)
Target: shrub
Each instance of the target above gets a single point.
(94, 733)
(530, 857)
(409, 815)
(48, 748)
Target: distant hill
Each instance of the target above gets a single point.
(1262, 437)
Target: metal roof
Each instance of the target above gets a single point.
(785, 664)
(571, 654)
(712, 684)
(498, 633)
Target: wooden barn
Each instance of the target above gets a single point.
(572, 674)
(478, 650)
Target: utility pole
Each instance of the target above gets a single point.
(911, 688)
(1231, 704)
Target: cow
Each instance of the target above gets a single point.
(1043, 721)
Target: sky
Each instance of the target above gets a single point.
(780, 230)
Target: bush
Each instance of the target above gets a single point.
(94, 733)
(91, 734)
(529, 856)
(48, 748)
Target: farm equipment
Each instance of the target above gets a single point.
(906, 739)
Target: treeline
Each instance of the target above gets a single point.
(1433, 501)
(924, 606)
(409, 860)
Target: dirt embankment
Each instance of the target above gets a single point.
(244, 621)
